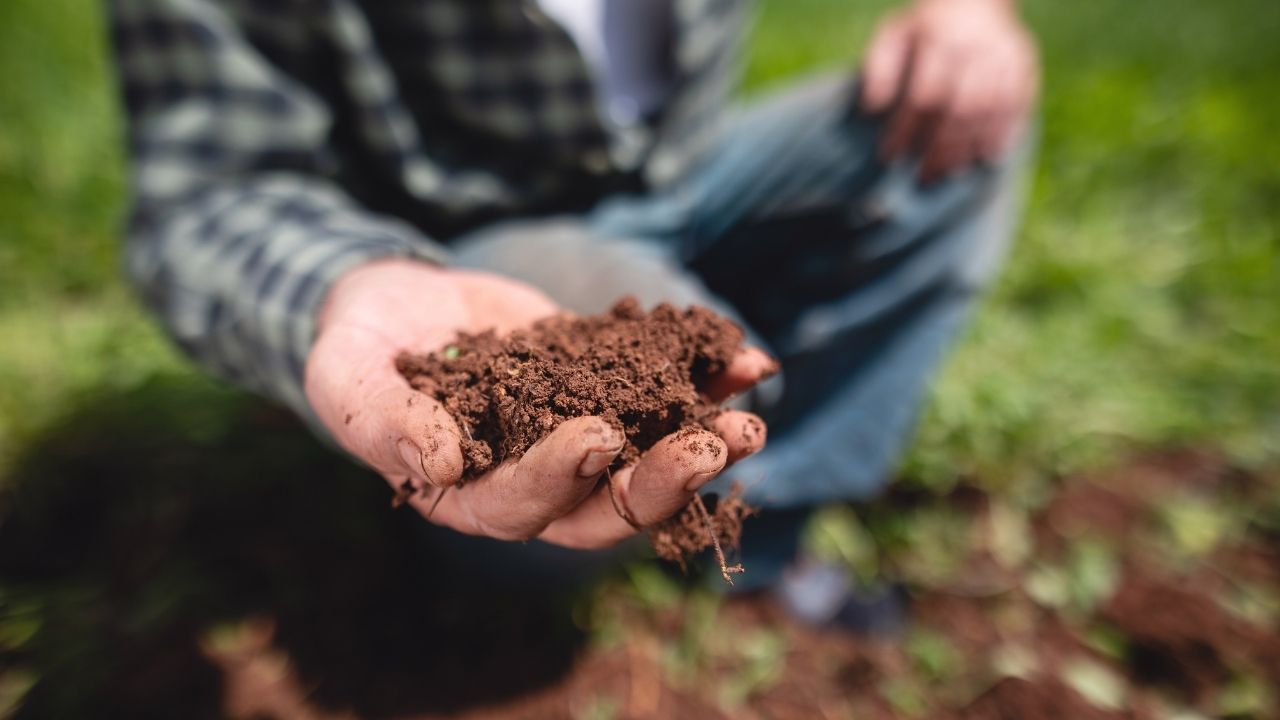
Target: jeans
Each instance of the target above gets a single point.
(854, 275)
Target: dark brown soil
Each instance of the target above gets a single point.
(643, 372)
(1179, 637)
(1019, 699)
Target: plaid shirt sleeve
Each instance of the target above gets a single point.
(236, 232)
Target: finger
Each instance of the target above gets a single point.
(655, 488)
(951, 147)
(1005, 119)
(885, 65)
(519, 498)
(1025, 90)
(900, 133)
(1026, 73)
(748, 367)
(353, 386)
(1004, 129)
(743, 433)
(942, 155)
(971, 151)
(1014, 94)
(926, 94)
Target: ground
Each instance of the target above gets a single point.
(157, 527)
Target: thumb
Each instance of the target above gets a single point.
(353, 386)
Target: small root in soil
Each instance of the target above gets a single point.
(697, 528)
(725, 568)
(436, 503)
(643, 372)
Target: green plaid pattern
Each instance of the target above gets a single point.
(277, 143)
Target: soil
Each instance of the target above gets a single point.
(1180, 637)
(645, 373)
(1018, 699)
(150, 544)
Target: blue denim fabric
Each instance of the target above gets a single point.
(849, 271)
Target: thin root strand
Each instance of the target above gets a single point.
(726, 570)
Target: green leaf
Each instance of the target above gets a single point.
(933, 654)
(835, 534)
(1096, 682)
(599, 707)
(14, 685)
(1197, 525)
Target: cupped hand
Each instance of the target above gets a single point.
(958, 79)
(552, 492)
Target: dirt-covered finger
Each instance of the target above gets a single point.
(372, 412)
(598, 521)
(655, 488)
(518, 499)
(743, 433)
(403, 431)
(670, 472)
(750, 366)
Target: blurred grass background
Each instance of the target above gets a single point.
(1141, 307)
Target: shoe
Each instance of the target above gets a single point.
(826, 595)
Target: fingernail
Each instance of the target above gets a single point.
(596, 461)
(412, 457)
(701, 479)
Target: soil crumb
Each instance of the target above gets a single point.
(643, 372)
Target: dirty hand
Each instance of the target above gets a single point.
(552, 492)
(958, 79)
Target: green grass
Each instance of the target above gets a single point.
(1141, 306)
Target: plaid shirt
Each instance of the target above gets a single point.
(278, 143)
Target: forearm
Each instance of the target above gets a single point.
(236, 232)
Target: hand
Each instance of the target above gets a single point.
(959, 78)
(552, 492)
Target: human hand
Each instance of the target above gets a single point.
(958, 79)
(552, 492)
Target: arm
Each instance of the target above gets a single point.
(269, 275)
(235, 235)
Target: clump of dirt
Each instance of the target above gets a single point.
(645, 373)
(1178, 636)
(695, 527)
(1019, 699)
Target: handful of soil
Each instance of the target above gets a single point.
(643, 372)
